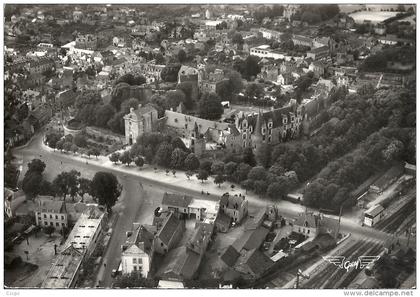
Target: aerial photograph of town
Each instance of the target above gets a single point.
(209, 146)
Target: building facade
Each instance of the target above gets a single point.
(139, 121)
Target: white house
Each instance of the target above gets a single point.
(138, 251)
(373, 215)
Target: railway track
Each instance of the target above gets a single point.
(335, 277)
(392, 223)
(347, 278)
(317, 280)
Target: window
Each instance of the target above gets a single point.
(134, 261)
(161, 244)
(39, 219)
(62, 224)
(56, 217)
(51, 223)
(309, 231)
(62, 217)
(244, 136)
(140, 260)
(135, 268)
(57, 224)
(45, 223)
(51, 216)
(45, 216)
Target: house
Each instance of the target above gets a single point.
(12, 202)
(410, 169)
(79, 245)
(187, 73)
(199, 132)
(139, 121)
(183, 262)
(318, 53)
(373, 215)
(40, 65)
(387, 179)
(236, 207)
(307, 224)
(253, 264)
(250, 239)
(51, 212)
(302, 40)
(86, 41)
(186, 207)
(138, 252)
(229, 256)
(271, 127)
(169, 235)
(64, 271)
(317, 68)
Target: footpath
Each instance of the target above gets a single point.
(180, 181)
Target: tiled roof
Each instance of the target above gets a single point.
(176, 200)
(180, 263)
(308, 220)
(168, 229)
(51, 206)
(232, 201)
(230, 256)
(256, 261)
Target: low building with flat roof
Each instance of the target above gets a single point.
(373, 215)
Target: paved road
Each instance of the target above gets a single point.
(137, 205)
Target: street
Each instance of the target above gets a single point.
(138, 201)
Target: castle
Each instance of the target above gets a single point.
(247, 131)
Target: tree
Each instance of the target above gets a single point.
(277, 190)
(125, 158)
(210, 106)
(134, 280)
(31, 184)
(170, 73)
(190, 90)
(230, 169)
(115, 157)
(248, 185)
(191, 162)
(103, 114)
(106, 189)
(257, 173)
(248, 157)
(164, 154)
(84, 186)
(202, 175)
(60, 144)
(139, 161)
(260, 187)
(49, 230)
(80, 140)
(67, 146)
(177, 158)
(219, 179)
(174, 98)
(217, 167)
(264, 155)
(313, 194)
(242, 172)
(182, 56)
(67, 183)
(74, 148)
(11, 174)
(94, 151)
(178, 143)
(254, 91)
(36, 165)
(189, 174)
(237, 38)
(52, 139)
(206, 165)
